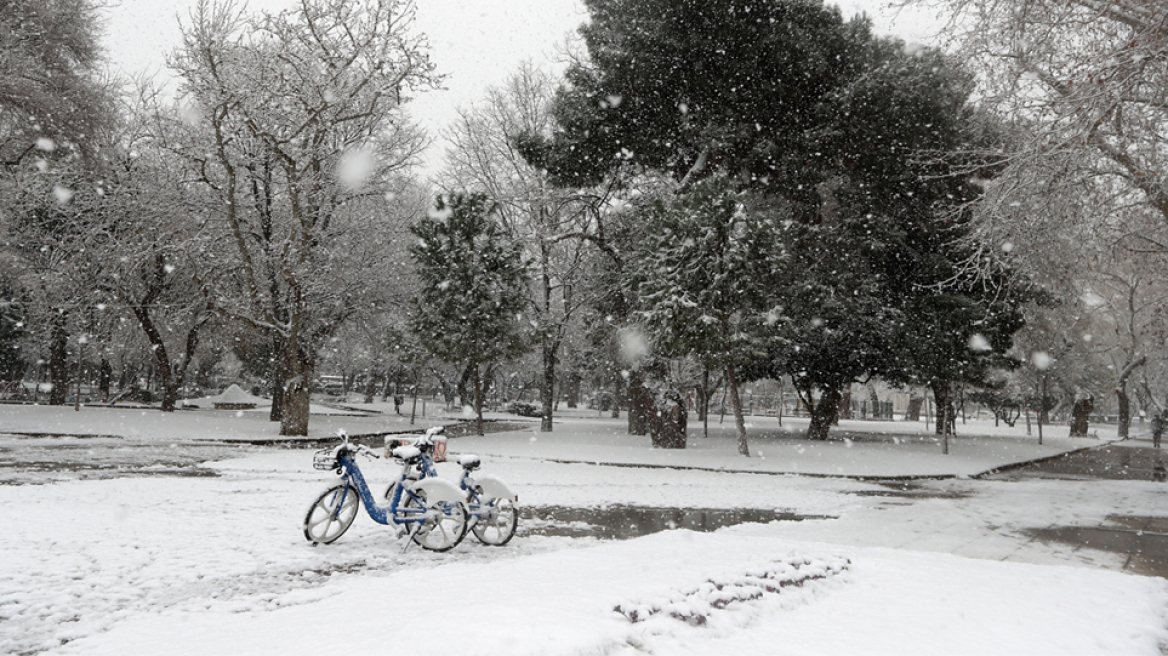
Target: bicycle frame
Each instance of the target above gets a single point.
(393, 512)
(386, 514)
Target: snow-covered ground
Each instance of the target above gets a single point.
(95, 563)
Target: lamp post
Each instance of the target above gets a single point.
(81, 341)
(1041, 361)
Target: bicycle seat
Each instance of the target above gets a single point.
(469, 462)
(408, 453)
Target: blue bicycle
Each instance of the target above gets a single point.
(431, 511)
(490, 503)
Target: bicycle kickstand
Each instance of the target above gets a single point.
(410, 533)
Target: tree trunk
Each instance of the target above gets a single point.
(370, 386)
(547, 386)
(277, 378)
(946, 414)
(736, 403)
(103, 378)
(704, 402)
(58, 359)
(1121, 395)
(824, 414)
(670, 423)
(1124, 410)
(414, 407)
(573, 390)
(161, 358)
(297, 379)
(640, 404)
(617, 394)
(1081, 416)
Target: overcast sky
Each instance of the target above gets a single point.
(475, 43)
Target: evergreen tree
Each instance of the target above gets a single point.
(472, 288)
(864, 154)
(829, 322)
(700, 276)
(918, 152)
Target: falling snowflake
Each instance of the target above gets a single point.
(62, 193)
(1041, 360)
(979, 344)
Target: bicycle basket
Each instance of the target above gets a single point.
(325, 459)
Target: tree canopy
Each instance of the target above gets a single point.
(50, 86)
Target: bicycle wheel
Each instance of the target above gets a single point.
(497, 527)
(445, 524)
(331, 514)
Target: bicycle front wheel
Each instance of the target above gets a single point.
(444, 526)
(331, 514)
(497, 522)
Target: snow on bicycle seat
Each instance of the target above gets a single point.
(469, 461)
(408, 452)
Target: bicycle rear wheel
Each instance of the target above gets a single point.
(331, 514)
(497, 525)
(444, 527)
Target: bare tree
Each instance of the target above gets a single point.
(297, 123)
(484, 157)
(1087, 79)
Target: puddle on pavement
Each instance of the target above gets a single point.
(627, 522)
(1144, 540)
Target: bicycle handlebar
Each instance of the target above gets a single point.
(355, 447)
(362, 449)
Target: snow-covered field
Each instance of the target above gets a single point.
(94, 563)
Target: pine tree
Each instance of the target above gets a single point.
(472, 290)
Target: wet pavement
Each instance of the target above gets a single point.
(1143, 539)
(1111, 462)
(910, 490)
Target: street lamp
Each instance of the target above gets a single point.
(81, 341)
(1041, 361)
